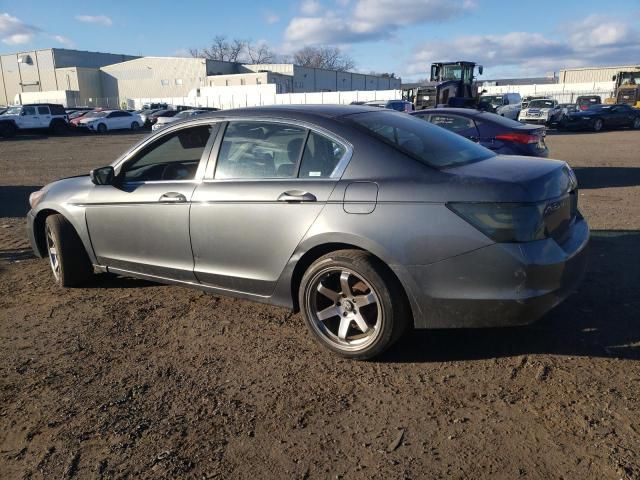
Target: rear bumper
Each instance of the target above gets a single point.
(504, 284)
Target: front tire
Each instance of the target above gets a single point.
(135, 126)
(101, 128)
(7, 130)
(598, 124)
(352, 305)
(68, 258)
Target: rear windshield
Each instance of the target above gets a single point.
(499, 119)
(423, 141)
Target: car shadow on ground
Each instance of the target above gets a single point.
(14, 200)
(604, 177)
(600, 320)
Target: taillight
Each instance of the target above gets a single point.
(523, 138)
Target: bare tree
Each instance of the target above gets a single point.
(221, 49)
(330, 58)
(259, 53)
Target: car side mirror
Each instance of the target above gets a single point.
(480, 69)
(102, 175)
(23, 113)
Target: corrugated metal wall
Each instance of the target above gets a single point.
(595, 74)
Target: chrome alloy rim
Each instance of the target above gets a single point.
(54, 259)
(344, 308)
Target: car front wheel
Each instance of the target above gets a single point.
(68, 258)
(135, 126)
(102, 128)
(352, 305)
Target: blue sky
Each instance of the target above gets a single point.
(511, 38)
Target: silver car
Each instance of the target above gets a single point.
(366, 220)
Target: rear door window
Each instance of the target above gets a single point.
(43, 111)
(321, 156)
(256, 149)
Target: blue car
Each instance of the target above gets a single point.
(502, 135)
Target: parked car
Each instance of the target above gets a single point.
(152, 118)
(497, 133)
(34, 116)
(526, 100)
(155, 106)
(162, 122)
(538, 111)
(107, 120)
(585, 101)
(398, 105)
(145, 114)
(367, 220)
(599, 117)
(504, 104)
(558, 114)
(3, 109)
(74, 119)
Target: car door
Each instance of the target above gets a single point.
(141, 222)
(29, 117)
(43, 117)
(260, 196)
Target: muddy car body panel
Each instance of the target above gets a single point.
(253, 237)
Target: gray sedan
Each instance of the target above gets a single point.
(366, 220)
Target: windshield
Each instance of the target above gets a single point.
(541, 104)
(13, 110)
(431, 145)
(494, 100)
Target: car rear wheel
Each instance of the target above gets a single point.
(351, 304)
(101, 128)
(58, 127)
(636, 123)
(68, 258)
(598, 124)
(135, 126)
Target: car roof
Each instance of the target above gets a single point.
(293, 111)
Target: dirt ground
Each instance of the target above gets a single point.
(129, 379)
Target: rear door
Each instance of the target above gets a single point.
(44, 117)
(265, 185)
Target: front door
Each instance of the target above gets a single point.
(29, 117)
(269, 184)
(141, 223)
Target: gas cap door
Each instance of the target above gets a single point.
(360, 198)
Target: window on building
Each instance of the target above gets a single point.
(164, 83)
(178, 81)
(242, 81)
(226, 83)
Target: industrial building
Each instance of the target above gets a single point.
(105, 79)
(53, 69)
(593, 74)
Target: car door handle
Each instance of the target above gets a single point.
(173, 197)
(296, 196)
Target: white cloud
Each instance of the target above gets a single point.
(367, 19)
(597, 40)
(99, 19)
(14, 31)
(67, 42)
(310, 7)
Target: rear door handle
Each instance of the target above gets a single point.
(296, 196)
(173, 197)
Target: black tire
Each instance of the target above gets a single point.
(598, 124)
(636, 123)
(58, 127)
(7, 129)
(135, 126)
(101, 128)
(71, 266)
(385, 318)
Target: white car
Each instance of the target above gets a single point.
(41, 116)
(162, 122)
(504, 104)
(538, 111)
(112, 120)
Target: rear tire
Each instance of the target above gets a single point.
(636, 123)
(68, 258)
(101, 128)
(352, 305)
(7, 130)
(58, 127)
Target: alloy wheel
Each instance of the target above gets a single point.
(52, 249)
(344, 308)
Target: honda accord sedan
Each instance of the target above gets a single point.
(368, 221)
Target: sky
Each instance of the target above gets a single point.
(510, 38)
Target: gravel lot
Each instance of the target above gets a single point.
(129, 379)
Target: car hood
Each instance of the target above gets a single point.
(508, 178)
(536, 110)
(87, 120)
(584, 113)
(5, 116)
(167, 119)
